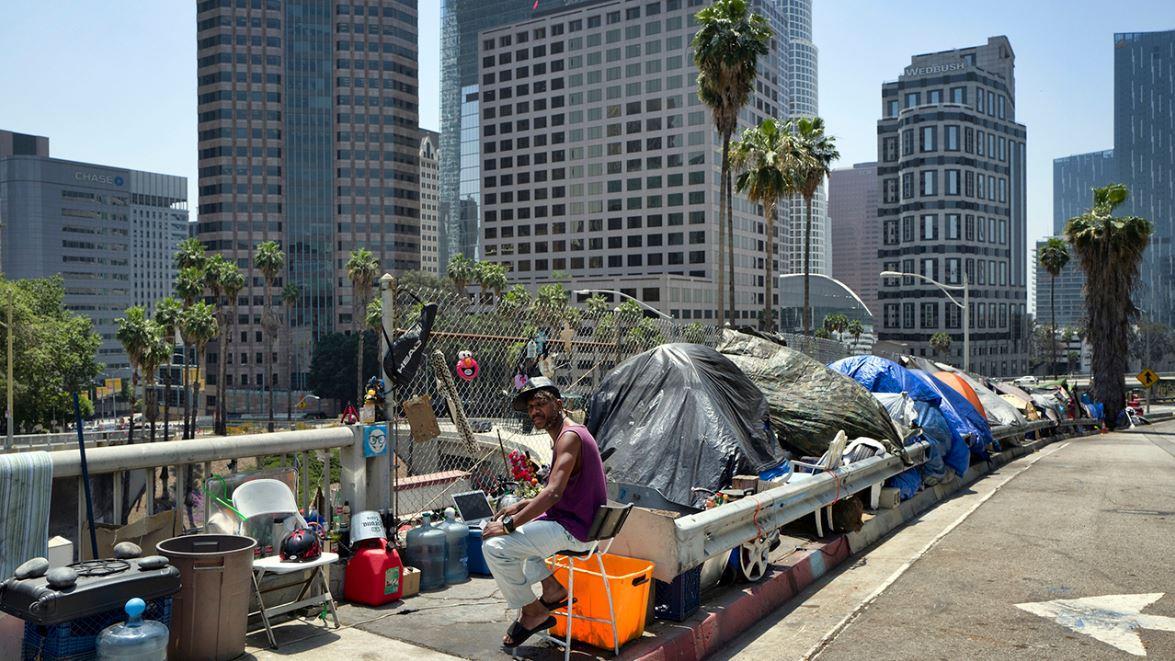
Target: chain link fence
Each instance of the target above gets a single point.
(510, 338)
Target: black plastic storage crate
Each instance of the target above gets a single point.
(680, 599)
(76, 640)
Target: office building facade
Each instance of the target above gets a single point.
(109, 232)
(1144, 154)
(599, 160)
(429, 201)
(309, 136)
(951, 169)
(853, 198)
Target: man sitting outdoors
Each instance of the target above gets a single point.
(522, 536)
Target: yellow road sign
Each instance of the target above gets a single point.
(1147, 377)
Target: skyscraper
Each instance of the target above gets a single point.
(599, 159)
(952, 178)
(1144, 153)
(309, 137)
(802, 79)
(853, 198)
(109, 232)
(429, 201)
(460, 167)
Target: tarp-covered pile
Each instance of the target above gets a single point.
(809, 403)
(682, 416)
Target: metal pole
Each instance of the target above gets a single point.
(966, 323)
(8, 413)
(77, 410)
(387, 290)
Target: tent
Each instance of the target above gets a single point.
(880, 375)
(959, 412)
(998, 410)
(960, 386)
(1018, 398)
(681, 416)
(905, 414)
(808, 402)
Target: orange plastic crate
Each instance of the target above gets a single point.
(628, 578)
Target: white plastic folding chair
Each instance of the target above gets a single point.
(272, 498)
(831, 460)
(609, 520)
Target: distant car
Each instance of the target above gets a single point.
(1026, 381)
(314, 415)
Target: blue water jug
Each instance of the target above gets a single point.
(137, 640)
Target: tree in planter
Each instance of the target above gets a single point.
(819, 151)
(134, 336)
(940, 342)
(362, 270)
(768, 156)
(270, 260)
(1054, 255)
(1109, 249)
(727, 47)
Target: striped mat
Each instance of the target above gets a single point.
(26, 484)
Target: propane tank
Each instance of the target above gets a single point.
(424, 549)
(456, 549)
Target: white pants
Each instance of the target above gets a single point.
(518, 560)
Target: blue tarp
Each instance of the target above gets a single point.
(881, 375)
(961, 414)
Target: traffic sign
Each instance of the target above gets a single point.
(1147, 377)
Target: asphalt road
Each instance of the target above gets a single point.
(1084, 518)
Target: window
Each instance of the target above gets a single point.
(980, 106)
(981, 224)
(891, 108)
(934, 96)
(959, 95)
(1003, 232)
(1002, 108)
(952, 233)
(969, 140)
(980, 189)
(907, 315)
(890, 191)
(928, 139)
(1003, 190)
(908, 229)
(913, 99)
(930, 268)
(969, 228)
(980, 142)
(951, 138)
(991, 103)
(991, 187)
(930, 315)
(952, 182)
(952, 271)
(929, 183)
(991, 145)
(1003, 148)
(891, 315)
(907, 142)
(907, 185)
(991, 229)
(969, 184)
(929, 227)
(890, 232)
(889, 149)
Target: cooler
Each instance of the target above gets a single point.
(477, 561)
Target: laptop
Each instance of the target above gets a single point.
(474, 508)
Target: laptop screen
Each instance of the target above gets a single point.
(473, 506)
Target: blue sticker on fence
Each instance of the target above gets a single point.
(375, 440)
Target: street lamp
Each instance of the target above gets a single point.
(965, 305)
(646, 306)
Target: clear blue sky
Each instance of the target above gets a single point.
(115, 82)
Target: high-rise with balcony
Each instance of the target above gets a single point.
(1144, 152)
(951, 169)
(309, 137)
(599, 160)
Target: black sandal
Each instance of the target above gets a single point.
(519, 635)
(555, 605)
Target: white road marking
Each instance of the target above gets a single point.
(1113, 619)
(848, 619)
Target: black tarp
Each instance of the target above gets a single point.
(681, 416)
(809, 403)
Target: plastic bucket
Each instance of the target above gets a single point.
(628, 579)
(210, 613)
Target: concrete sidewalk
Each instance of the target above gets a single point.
(468, 620)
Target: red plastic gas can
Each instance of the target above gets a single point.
(374, 574)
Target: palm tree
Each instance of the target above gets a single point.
(132, 333)
(189, 286)
(491, 276)
(156, 352)
(836, 323)
(270, 260)
(198, 326)
(1054, 255)
(767, 156)
(290, 295)
(1110, 250)
(167, 317)
(727, 47)
(460, 270)
(819, 151)
(362, 269)
(856, 329)
(231, 282)
(190, 254)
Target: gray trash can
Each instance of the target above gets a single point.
(210, 613)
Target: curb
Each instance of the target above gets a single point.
(721, 621)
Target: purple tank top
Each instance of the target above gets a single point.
(585, 492)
